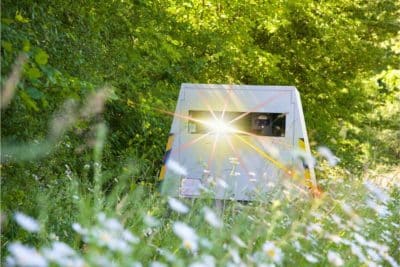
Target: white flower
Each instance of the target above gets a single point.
(111, 240)
(379, 193)
(205, 243)
(187, 234)
(356, 250)
(382, 210)
(314, 227)
(177, 206)
(373, 255)
(327, 153)
(157, 264)
(170, 257)
(238, 241)
(129, 237)
(212, 218)
(176, 167)
(26, 222)
(151, 221)
(274, 253)
(205, 261)
(359, 238)
(113, 225)
(334, 238)
(235, 255)
(310, 258)
(297, 245)
(334, 258)
(21, 255)
(63, 255)
(79, 229)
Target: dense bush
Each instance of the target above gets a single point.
(343, 56)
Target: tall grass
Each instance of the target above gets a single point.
(355, 222)
(96, 217)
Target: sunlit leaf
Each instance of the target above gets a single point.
(41, 57)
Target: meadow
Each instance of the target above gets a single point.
(86, 90)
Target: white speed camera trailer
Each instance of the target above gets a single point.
(235, 141)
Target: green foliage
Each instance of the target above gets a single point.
(342, 55)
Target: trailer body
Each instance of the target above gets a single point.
(235, 141)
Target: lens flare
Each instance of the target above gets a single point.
(219, 126)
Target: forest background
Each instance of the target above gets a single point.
(342, 55)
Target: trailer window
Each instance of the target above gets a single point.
(258, 123)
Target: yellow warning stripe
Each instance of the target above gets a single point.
(263, 154)
(168, 149)
(307, 174)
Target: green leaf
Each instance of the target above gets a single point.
(28, 101)
(33, 73)
(26, 46)
(20, 18)
(7, 21)
(41, 57)
(7, 46)
(34, 93)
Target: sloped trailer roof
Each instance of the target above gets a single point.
(236, 141)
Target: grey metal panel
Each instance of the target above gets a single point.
(252, 173)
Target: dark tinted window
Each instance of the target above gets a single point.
(259, 123)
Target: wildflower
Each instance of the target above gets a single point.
(63, 255)
(111, 240)
(129, 237)
(356, 250)
(157, 264)
(212, 218)
(314, 227)
(204, 242)
(176, 167)
(334, 258)
(297, 245)
(310, 258)
(26, 222)
(359, 238)
(79, 229)
(334, 238)
(24, 256)
(379, 193)
(170, 257)
(235, 256)
(381, 210)
(187, 234)
(177, 206)
(373, 255)
(327, 153)
(151, 221)
(205, 261)
(113, 224)
(347, 209)
(53, 236)
(274, 253)
(238, 241)
(337, 220)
